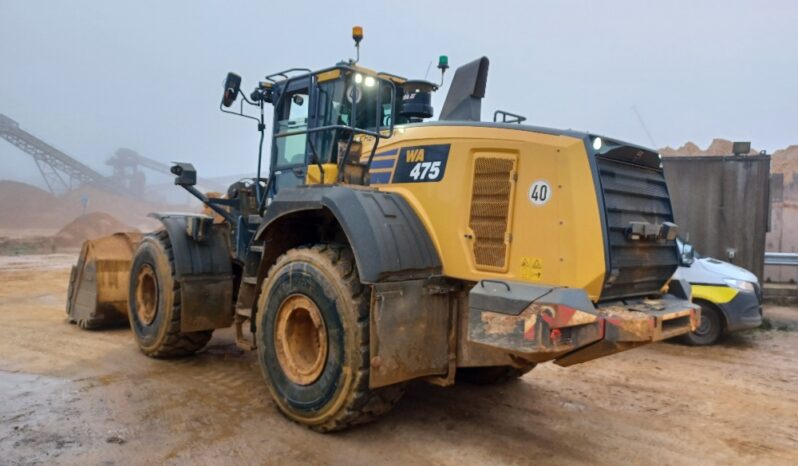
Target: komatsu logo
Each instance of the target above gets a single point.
(415, 155)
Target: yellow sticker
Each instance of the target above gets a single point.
(531, 269)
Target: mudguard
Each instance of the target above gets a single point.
(203, 266)
(389, 241)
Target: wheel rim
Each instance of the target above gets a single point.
(146, 295)
(300, 340)
(704, 326)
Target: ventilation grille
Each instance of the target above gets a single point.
(635, 193)
(490, 210)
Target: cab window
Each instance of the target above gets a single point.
(294, 117)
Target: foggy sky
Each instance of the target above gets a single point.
(92, 76)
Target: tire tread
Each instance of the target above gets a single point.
(363, 404)
(176, 343)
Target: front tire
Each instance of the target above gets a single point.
(154, 302)
(709, 328)
(313, 340)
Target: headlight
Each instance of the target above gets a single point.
(740, 285)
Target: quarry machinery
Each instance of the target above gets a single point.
(384, 246)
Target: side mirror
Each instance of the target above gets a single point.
(232, 85)
(185, 174)
(688, 255)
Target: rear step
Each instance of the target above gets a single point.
(243, 313)
(539, 323)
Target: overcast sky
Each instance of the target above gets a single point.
(91, 76)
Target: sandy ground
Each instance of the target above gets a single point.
(75, 397)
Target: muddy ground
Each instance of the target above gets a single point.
(76, 397)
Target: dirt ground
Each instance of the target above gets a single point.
(74, 397)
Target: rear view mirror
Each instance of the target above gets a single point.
(185, 174)
(688, 255)
(232, 84)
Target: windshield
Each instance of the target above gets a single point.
(344, 102)
(339, 99)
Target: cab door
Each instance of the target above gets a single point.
(289, 145)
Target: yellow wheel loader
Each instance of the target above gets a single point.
(385, 246)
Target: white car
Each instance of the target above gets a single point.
(730, 296)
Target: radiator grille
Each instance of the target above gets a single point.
(635, 193)
(490, 210)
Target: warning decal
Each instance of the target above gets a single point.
(531, 269)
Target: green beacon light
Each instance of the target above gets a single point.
(443, 62)
(443, 65)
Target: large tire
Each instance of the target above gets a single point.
(710, 327)
(491, 375)
(313, 340)
(154, 302)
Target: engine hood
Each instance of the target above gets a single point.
(713, 272)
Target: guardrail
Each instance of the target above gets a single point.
(781, 258)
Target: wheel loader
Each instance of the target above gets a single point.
(386, 246)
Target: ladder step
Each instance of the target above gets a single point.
(250, 280)
(256, 248)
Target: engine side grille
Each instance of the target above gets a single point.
(635, 193)
(490, 211)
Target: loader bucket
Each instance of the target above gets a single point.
(98, 284)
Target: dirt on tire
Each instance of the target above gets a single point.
(168, 342)
(356, 403)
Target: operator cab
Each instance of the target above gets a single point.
(321, 120)
(327, 124)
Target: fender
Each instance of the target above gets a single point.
(204, 269)
(389, 241)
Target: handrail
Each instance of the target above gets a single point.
(284, 73)
(504, 114)
(328, 128)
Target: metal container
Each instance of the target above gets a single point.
(722, 205)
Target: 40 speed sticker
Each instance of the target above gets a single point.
(539, 192)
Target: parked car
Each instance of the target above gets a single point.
(730, 296)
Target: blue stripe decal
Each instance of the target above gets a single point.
(390, 152)
(380, 178)
(387, 163)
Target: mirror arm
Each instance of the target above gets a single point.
(239, 113)
(245, 99)
(202, 197)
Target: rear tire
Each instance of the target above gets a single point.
(710, 327)
(313, 340)
(154, 302)
(491, 375)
